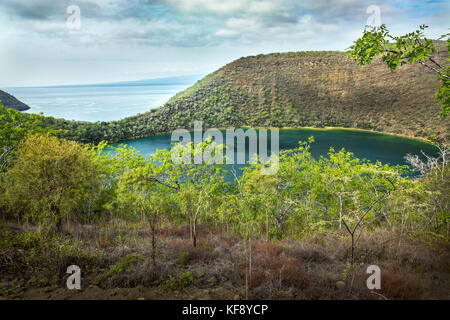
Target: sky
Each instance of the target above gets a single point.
(46, 42)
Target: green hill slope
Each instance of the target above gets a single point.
(296, 89)
(10, 101)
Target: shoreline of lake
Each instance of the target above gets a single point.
(327, 128)
(413, 138)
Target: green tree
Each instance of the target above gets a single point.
(14, 127)
(51, 180)
(337, 190)
(399, 50)
(195, 186)
(140, 195)
(197, 182)
(436, 187)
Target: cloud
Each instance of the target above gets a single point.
(46, 9)
(186, 34)
(211, 6)
(226, 33)
(193, 23)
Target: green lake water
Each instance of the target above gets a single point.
(388, 149)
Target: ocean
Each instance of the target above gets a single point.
(95, 103)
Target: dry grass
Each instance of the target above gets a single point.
(314, 267)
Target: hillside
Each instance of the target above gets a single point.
(10, 101)
(294, 89)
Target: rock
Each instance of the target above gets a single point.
(141, 298)
(340, 285)
(10, 101)
(236, 297)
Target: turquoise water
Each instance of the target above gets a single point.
(365, 145)
(95, 103)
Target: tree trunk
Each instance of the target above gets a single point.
(194, 234)
(353, 248)
(153, 245)
(194, 224)
(58, 224)
(250, 261)
(190, 228)
(152, 221)
(58, 219)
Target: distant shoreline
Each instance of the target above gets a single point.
(166, 81)
(418, 139)
(326, 128)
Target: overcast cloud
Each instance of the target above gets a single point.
(138, 39)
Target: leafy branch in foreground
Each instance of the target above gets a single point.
(399, 50)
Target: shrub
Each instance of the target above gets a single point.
(41, 258)
(272, 265)
(400, 285)
(50, 180)
(179, 283)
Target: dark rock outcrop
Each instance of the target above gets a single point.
(10, 101)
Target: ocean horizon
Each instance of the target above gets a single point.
(98, 102)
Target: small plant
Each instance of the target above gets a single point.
(346, 271)
(184, 257)
(122, 266)
(179, 283)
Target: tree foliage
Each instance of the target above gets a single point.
(396, 51)
(51, 180)
(14, 127)
(56, 180)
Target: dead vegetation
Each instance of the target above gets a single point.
(114, 259)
